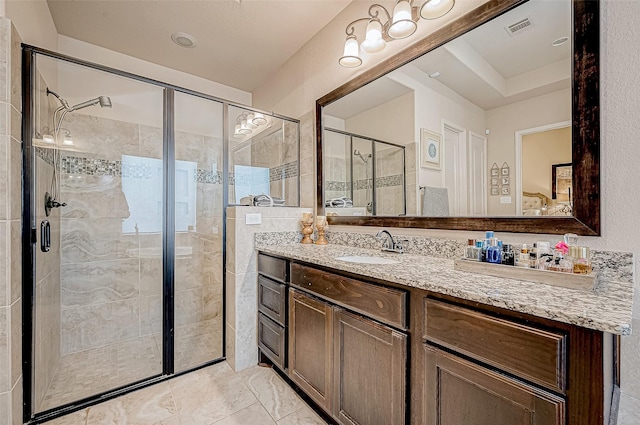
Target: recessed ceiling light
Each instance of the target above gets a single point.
(183, 39)
(434, 74)
(560, 41)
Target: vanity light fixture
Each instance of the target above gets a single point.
(378, 33)
(247, 123)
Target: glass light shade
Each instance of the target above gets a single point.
(236, 133)
(47, 138)
(67, 141)
(402, 25)
(259, 119)
(434, 9)
(350, 58)
(373, 42)
(244, 128)
(250, 123)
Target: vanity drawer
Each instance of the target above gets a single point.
(532, 354)
(272, 298)
(271, 340)
(275, 268)
(387, 305)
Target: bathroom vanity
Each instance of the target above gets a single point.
(416, 342)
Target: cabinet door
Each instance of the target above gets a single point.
(311, 346)
(460, 392)
(370, 363)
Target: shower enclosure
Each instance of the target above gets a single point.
(363, 176)
(126, 184)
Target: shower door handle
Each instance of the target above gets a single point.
(45, 236)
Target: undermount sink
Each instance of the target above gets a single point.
(364, 259)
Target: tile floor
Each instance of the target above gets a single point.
(90, 372)
(213, 395)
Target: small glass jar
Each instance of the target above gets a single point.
(560, 263)
(581, 259)
(470, 252)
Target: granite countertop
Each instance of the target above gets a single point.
(607, 308)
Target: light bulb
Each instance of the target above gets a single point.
(434, 9)
(237, 134)
(67, 141)
(47, 138)
(244, 128)
(402, 26)
(373, 42)
(250, 122)
(350, 58)
(259, 119)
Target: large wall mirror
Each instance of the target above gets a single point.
(491, 122)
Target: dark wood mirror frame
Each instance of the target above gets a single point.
(585, 132)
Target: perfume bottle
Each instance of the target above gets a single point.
(581, 259)
(508, 258)
(494, 252)
(470, 250)
(560, 263)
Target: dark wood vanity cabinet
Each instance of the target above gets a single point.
(369, 352)
(352, 366)
(273, 275)
(493, 390)
(458, 391)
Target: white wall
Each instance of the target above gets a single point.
(314, 71)
(505, 121)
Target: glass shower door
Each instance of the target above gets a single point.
(98, 152)
(199, 202)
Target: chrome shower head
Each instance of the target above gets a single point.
(63, 102)
(104, 101)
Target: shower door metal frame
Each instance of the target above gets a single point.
(373, 166)
(29, 236)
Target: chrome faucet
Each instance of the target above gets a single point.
(389, 244)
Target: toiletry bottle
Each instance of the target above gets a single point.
(507, 255)
(477, 252)
(522, 258)
(494, 253)
(469, 251)
(486, 243)
(581, 259)
(560, 263)
(544, 255)
(533, 256)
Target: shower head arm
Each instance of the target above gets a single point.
(60, 99)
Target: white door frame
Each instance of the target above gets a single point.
(518, 166)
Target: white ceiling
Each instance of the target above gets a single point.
(486, 66)
(240, 42)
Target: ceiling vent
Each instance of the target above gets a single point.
(518, 27)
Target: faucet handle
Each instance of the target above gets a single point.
(401, 244)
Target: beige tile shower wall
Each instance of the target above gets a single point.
(112, 282)
(100, 268)
(307, 161)
(241, 284)
(10, 227)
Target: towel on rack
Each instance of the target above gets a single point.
(342, 202)
(267, 201)
(435, 202)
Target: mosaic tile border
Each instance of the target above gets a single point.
(384, 181)
(79, 165)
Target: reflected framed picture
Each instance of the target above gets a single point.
(430, 156)
(561, 182)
